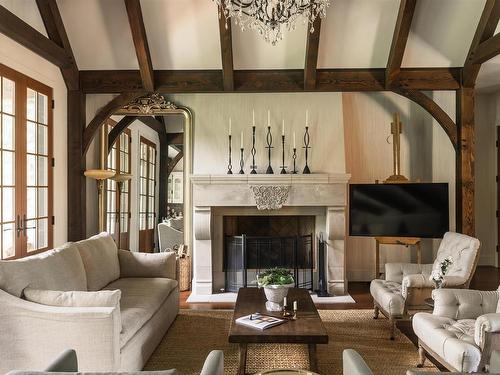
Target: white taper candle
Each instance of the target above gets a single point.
(229, 125)
(241, 140)
(295, 305)
(253, 117)
(294, 140)
(307, 117)
(283, 128)
(268, 117)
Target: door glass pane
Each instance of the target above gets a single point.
(43, 202)
(8, 204)
(8, 139)
(8, 168)
(43, 147)
(43, 176)
(31, 234)
(31, 170)
(8, 95)
(8, 235)
(31, 130)
(43, 233)
(42, 109)
(31, 203)
(31, 105)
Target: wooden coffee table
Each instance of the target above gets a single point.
(307, 329)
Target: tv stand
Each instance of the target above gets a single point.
(406, 241)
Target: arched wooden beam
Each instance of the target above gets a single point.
(172, 163)
(118, 129)
(435, 111)
(153, 123)
(103, 114)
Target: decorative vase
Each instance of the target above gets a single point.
(275, 295)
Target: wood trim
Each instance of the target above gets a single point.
(57, 33)
(399, 39)
(312, 47)
(226, 47)
(118, 128)
(485, 30)
(103, 114)
(18, 30)
(435, 111)
(487, 50)
(140, 39)
(334, 80)
(465, 216)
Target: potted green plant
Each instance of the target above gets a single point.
(276, 282)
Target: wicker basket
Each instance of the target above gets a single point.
(184, 273)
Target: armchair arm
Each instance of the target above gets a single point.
(214, 364)
(487, 323)
(396, 271)
(31, 333)
(134, 264)
(66, 362)
(454, 282)
(419, 281)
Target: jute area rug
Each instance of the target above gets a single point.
(195, 333)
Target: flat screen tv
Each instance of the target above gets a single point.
(399, 210)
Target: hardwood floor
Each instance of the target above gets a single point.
(485, 278)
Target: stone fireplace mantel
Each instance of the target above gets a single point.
(323, 194)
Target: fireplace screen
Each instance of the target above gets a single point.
(246, 256)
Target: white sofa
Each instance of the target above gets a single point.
(106, 339)
(407, 285)
(462, 331)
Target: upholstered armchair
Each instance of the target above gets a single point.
(169, 237)
(463, 330)
(407, 285)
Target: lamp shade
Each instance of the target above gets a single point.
(99, 174)
(121, 177)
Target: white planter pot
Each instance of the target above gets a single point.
(275, 295)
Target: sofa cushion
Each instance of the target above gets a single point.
(102, 298)
(135, 264)
(58, 269)
(100, 259)
(141, 298)
(388, 295)
(453, 340)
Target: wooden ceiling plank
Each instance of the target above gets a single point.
(226, 48)
(140, 39)
(18, 30)
(484, 31)
(57, 33)
(399, 39)
(487, 50)
(311, 63)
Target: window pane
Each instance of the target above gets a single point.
(43, 176)
(8, 136)
(8, 96)
(8, 204)
(31, 137)
(8, 174)
(31, 105)
(43, 202)
(31, 229)
(42, 109)
(31, 170)
(151, 171)
(43, 233)
(8, 233)
(43, 147)
(31, 203)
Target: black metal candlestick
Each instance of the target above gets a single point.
(253, 152)
(230, 165)
(307, 147)
(294, 157)
(283, 166)
(269, 139)
(242, 163)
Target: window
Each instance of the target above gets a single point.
(147, 185)
(26, 222)
(118, 201)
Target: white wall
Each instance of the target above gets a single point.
(19, 58)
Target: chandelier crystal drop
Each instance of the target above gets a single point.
(269, 16)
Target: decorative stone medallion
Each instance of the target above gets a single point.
(149, 105)
(269, 197)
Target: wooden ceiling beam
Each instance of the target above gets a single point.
(175, 138)
(140, 39)
(487, 50)
(57, 33)
(399, 39)
(311, 63)
(118, 129)
(153, 123)
(226, 48)
(484, 31)
(200, 81)
(19, 31)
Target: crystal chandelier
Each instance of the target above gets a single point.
(269, 16)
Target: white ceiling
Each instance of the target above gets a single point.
(183, 34)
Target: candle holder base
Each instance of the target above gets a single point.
(253, 171)
(306, 170)
(269, 170)
(229, 172)
(241, 171)
(283, 170)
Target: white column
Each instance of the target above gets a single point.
(202, 251)
(336, 262)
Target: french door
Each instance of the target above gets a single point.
(26, 221)
(147, 186)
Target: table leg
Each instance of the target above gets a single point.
(313, 360)
(243, 359)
